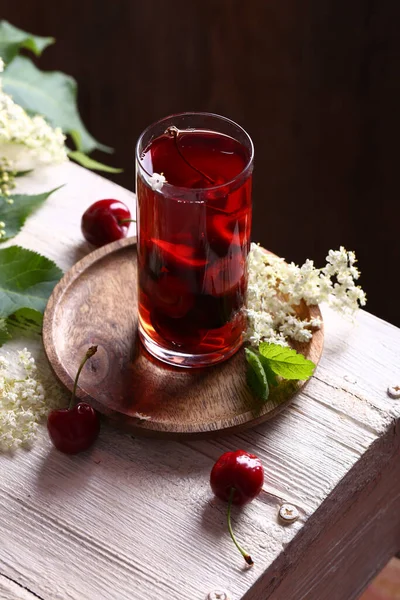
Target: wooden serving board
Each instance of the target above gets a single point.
(96, 303)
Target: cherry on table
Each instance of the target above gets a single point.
(76, 428)
(73, 430)
(237, 477)
(106, 221)
(241, 471)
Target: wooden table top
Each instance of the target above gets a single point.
(136, 519)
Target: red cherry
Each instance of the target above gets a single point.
(75, 430)
(238, 478)
(105, 221)
(241, 471)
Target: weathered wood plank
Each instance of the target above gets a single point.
(350, 538)
(136, 518)
(9, 590)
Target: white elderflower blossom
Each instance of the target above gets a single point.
(26, 142)
(156, 181)
(275, 288)
(23, 402)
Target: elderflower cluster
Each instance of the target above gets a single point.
(275, 288)
(23, 403)
(27, 141)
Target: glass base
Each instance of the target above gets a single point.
(182, 359)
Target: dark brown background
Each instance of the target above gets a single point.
(315, 83)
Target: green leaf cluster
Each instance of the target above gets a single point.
(26, 282)
(273, 360)
(12, 40)
(15, 214)
(51, 94)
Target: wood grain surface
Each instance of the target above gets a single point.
(96, 304)
(135, 518)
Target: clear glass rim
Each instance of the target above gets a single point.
(171, 187)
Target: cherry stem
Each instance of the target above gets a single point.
(175, 133)
(245, 555)
(126, 221)
(91, 351)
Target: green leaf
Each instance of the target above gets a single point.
(256, 377)
(22, 173)
(24, 322)
(89, 163)
(14, 215)
(13, 39)
(270, 375)
(51, 94)
(286, 362)
(4, 333)
(26, 319)
(26, 280)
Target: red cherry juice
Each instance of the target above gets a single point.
(193, 241)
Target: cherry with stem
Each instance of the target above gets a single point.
(74, 429)
(237, 478)
(106, 221)
(243, 552)
(89, 353)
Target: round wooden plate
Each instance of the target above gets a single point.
(96, 303)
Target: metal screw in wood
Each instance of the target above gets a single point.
(394, 391)
(219, 595)
(288, 513)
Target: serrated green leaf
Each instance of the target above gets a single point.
(13, 39)
(14, 215)
(256, 377)
(286, 362)
(91, 164)
(26, 280)
(51, 94)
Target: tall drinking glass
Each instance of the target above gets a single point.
(193, 185)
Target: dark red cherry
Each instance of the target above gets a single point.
(105, 221)
(73, 430)
(237, 477)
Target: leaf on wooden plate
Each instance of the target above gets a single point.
(26, 280)
(256, 377)
(286, 362)
(91, 164)
(14, 215)
(270, 375)
(13, 39)
(51, 94)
